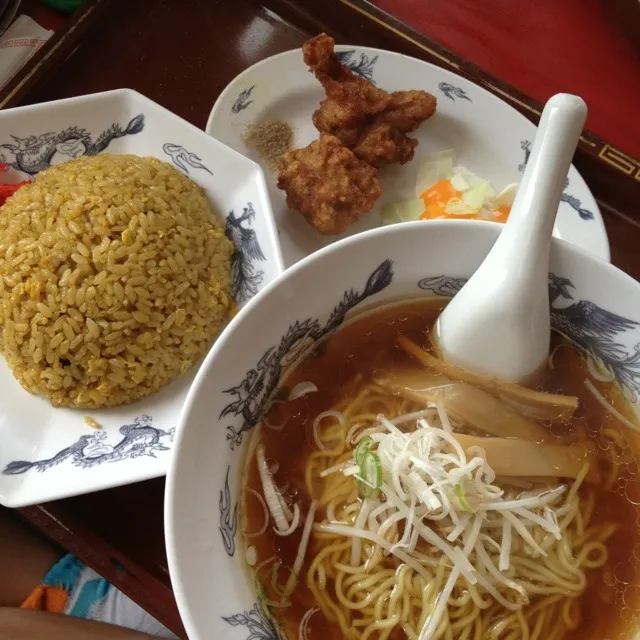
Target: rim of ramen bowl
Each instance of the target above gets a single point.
(460, 227)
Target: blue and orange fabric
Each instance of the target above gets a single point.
(74, 589)
(59, 584)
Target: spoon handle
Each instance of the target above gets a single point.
(499, 323)
(533, 214)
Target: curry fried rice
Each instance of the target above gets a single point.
(114, 279)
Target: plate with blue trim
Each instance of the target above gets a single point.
(50, 452)
(488, 136)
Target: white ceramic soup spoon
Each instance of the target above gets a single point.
(499, 324)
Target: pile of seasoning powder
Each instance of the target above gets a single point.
(271, 139)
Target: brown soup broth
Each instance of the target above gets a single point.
(352, 356)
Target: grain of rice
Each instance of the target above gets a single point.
(114, 279)
(92, 422)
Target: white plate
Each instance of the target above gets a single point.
(48, 453)
(490, 137)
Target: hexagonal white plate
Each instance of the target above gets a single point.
(48, 453)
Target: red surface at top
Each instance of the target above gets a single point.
(587, 47)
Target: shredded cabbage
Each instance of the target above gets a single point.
(432, 169)
(507, 195)
(476, 196)
(457, 207)
(403, 211)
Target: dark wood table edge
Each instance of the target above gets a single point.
(129, 577)
(54, 51)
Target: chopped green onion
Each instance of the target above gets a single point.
(374, 469)
(365, 489)
(362, 449)
(369, 480)
(461, 499)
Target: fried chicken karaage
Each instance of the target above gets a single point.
(328, 184)
(349, 98)
(334, 180)
(368, 120)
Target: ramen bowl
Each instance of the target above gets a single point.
(592, 303)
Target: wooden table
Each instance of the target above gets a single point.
(182, 54)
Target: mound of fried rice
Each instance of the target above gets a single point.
(114, 279)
